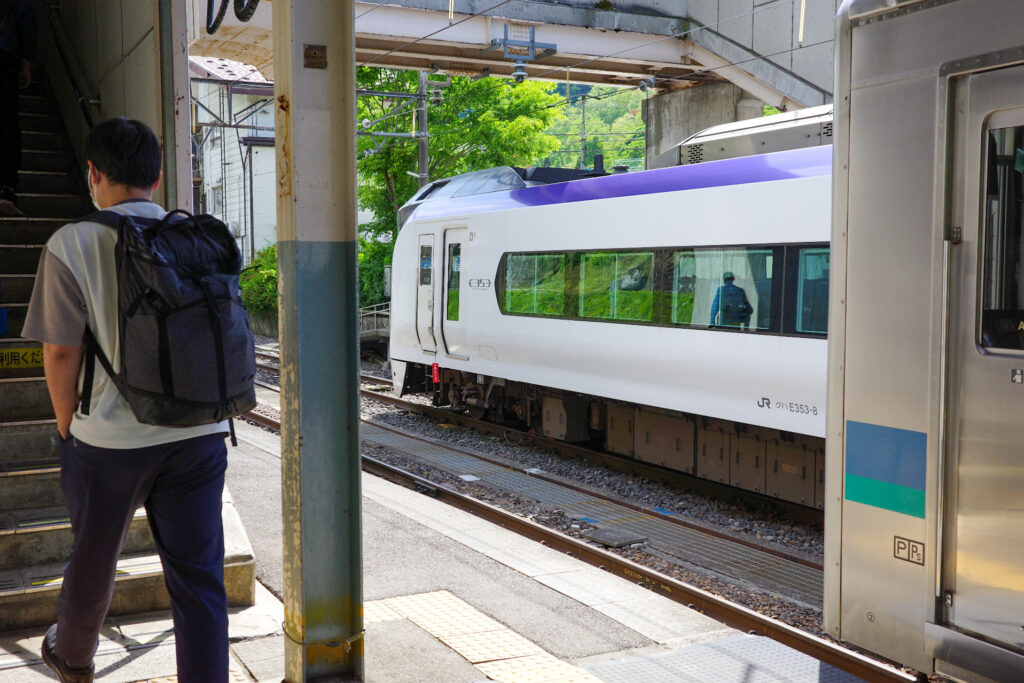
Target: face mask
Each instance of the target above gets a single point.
(92, 194)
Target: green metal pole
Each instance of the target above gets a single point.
(314, 74)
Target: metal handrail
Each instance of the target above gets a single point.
(376, 317)
(58, 40)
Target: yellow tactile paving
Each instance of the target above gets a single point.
(543, 668)
(496, 650)
(489, 646)
(376, 611)
(442, 614)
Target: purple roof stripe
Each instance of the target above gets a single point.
(798, 163)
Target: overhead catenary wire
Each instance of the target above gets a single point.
(440, 30)
(667, 79)
(372, 9)
(503, 83)
(589, 60)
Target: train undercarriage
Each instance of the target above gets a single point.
(771, 462)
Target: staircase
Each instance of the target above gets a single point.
(35, 535)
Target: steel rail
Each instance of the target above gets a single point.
(793, 511)
(564, 483)
(673, 478)
(736, 616)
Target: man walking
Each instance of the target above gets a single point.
(111, 464)
(17, 52)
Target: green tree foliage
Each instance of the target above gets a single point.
(478, 124)
(259, 282)
(614, 128)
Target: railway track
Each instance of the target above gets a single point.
(672, 478)
(732, 614)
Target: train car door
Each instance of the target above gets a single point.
(452, 325)
(983, 552)
(425, 295)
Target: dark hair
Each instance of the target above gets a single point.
(126, 150)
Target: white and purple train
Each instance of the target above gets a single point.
(677, 316)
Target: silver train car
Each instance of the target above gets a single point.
(925, 474)
(677, 316)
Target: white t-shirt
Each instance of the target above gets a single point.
(76, 286)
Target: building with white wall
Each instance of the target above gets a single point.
(233, 149)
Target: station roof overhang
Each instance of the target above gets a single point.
(618, 48)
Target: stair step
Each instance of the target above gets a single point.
(20, 358)
(43, 536)
(12, 317)
(48, 160)
(62, 206)
(38, 87)
(16, 289)
(28, 444)
(29, 594)
(31, 487)
(39, 121)
(24, 230)
(50, 181)
(35, 104)
(19, 259)
(24, 398)
(46, 139)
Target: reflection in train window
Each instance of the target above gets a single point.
(425, 263)
(534, 284)
(723, 287)
(812, 291)
(1002, 310)
(616, 285)
(454, 275)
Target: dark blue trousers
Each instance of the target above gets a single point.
(181, 485)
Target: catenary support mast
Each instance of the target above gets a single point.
(421, 130)
(314, 60)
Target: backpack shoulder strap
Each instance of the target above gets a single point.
(93, 352)
(111, 219)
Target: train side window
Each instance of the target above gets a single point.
(616, 285)
(426, 261)
(812, 291)
(1002, 303)
(534, 284)
(454, 277)
(730, 288)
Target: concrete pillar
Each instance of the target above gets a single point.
(314, 54)
(674, 116)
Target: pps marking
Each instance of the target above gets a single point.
(907, 550)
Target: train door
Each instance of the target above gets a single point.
(425, 295)
(983, 552)
(452, 330)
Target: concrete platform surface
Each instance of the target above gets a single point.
(449, 597)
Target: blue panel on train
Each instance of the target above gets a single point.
(886, 467)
